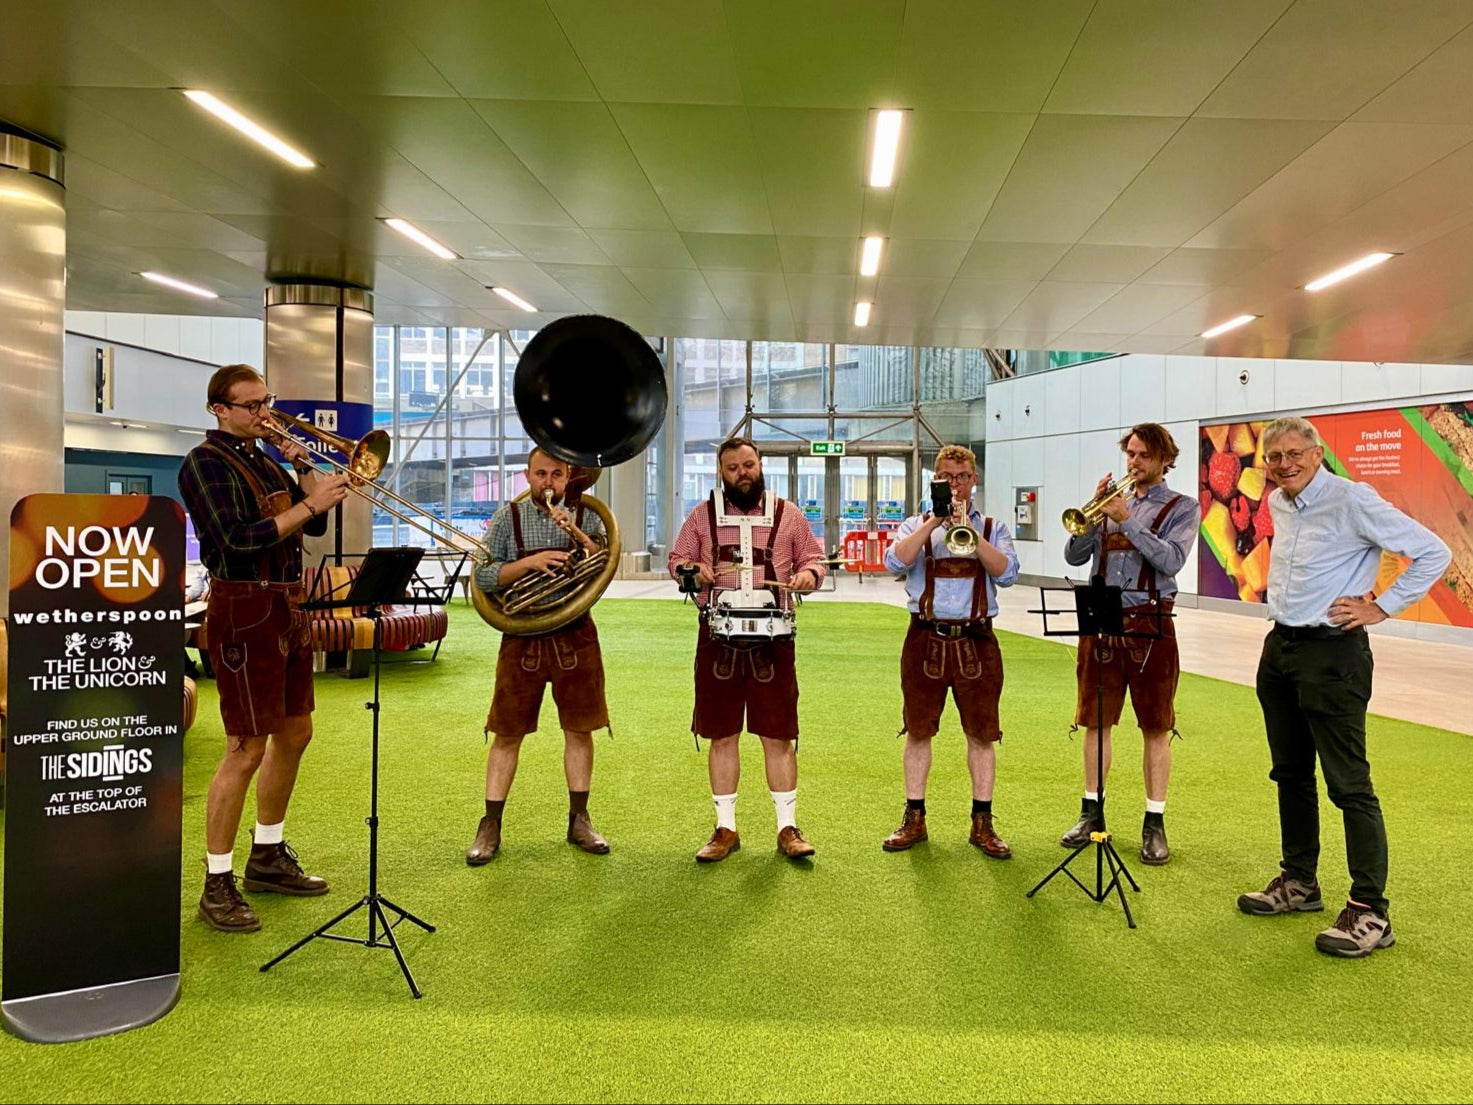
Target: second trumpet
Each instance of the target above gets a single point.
(1080, 520)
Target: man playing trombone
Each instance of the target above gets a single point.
(530, 540)
(250, 517)
(1137, 533)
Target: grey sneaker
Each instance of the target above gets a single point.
(1356, 933)
(1283, 895)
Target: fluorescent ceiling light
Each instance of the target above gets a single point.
(869, 261)
(861, 313)
(179, 285)
(1369, 261)
(882, 155)
(1230, 324)
(249, 127)
(514, 299)
(419, 237)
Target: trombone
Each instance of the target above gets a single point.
(367, 459)
(1080, 520)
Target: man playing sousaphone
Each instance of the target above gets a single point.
(250, 517)
(748, 542)
(537, 535)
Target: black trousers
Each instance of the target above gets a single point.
(1313, 685)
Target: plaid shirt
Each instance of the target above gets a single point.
(538, 532)
(794, 549)
(237, 541)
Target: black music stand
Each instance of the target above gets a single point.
(1097, 613)
(382, 580)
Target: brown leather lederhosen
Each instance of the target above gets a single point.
(569, 658)
(962, 655)
(258, 638)
(751, 683)
(1148, 668)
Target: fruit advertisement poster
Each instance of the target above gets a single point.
(1419, 458)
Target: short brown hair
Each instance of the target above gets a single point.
(1157, 438)
(736, 443)
(225, 378)
(958, 453)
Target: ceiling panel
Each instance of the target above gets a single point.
(1106, 264)
(1437, 90)
(920, 257)
(1136, 307)
(1070, 170)
(742, 252)
(1299, 71)
(981, 303)
(750, 295)
(675, 294)
(813, 167)
(819, 255)
(1157, 57)
(644, 249)
(1208, 166)
(954, 164)
(1056, 305)
(703, 164)
(821, 53)
(984, 55)
(1028, 261)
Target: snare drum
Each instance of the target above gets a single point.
(759, 623)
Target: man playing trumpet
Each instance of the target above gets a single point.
(1139, 542)
(537, 534)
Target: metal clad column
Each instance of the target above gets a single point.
(32, 301)
(319, 362)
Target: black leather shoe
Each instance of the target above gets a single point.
(1154, 850)
(1090, 821)
(487, 843)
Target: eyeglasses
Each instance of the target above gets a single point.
(1293, 456)
(960, 477)
(254, 407)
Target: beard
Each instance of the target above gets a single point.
(745, 500)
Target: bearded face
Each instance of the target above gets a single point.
(741, 477)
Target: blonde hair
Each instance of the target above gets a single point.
(958, 453)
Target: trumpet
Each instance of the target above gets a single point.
(1080, 520)
(961, 539)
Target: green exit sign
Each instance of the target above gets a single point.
(826, 448)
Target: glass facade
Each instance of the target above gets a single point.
(445, 396)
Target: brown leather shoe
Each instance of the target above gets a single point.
(723, 843)
(791, 843)
(983, 837)
(274, 867)
(581, 833)
(911, 832)
(486, 844)
(1089, 822)
(223, 908)
(1154, 849)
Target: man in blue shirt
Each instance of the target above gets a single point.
(1139, 545)
(1314, 676)
(950, 644)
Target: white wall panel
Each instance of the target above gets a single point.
(1440, 378)
(1028, 462)
(1099, 394)
(1000, 410)
(1243, 387)
(997, 491)
(1029, 417)
(1030, 557)
(1061, 490)
(161, 332)
(1142, 389)
(1061, 401)
(1190, 386)
(1370, 382)
(92, 323)
(1305, 385)
(126, 328)
(194, 337)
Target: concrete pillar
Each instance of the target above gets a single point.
(32, 302)
(319, 362)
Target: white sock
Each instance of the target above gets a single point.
(725, 811)
(221, 864)
(1152, 806)
(269, 834)
(786, 804)
(1092, 795)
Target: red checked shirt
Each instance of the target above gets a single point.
(793, 550)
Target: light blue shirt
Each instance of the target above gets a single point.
(1166, 550)
(953, 597)
(1328, 542)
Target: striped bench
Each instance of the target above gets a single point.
(349, 630)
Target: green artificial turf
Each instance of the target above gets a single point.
(555, 975)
